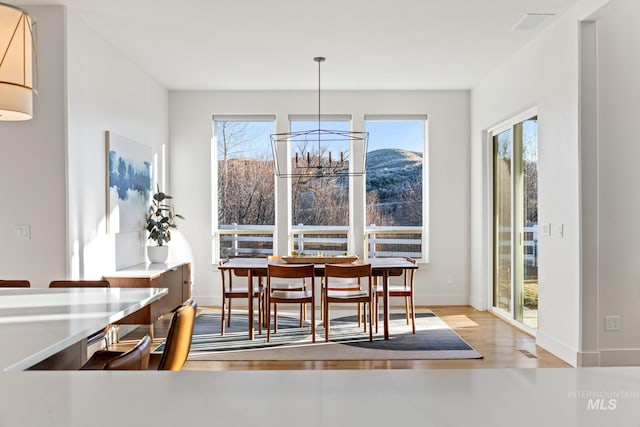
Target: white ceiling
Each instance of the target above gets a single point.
(260, 44)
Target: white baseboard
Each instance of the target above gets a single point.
(429, 300)
(620, 357)
(478, 303)
(207, 301)
(589, 359)
(558, 349)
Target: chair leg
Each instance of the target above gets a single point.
(406, 309)
(313, 323)
(260, 313)
(325, 311)
(222, 317)
(269, 323)
(370, 321)
(229, 313)
(413, 314)
(266, 308)
(364, 318)
(377, 312)
(302, 313)
(275, 317)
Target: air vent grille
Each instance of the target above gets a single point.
(533, 21)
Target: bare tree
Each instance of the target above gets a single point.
(245, 181)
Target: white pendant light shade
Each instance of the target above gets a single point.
(17, 54)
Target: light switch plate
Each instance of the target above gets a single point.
(546, 229)
(23, 232)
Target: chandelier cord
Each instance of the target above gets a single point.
(319, 60)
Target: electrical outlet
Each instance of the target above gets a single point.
(450, 279)
(612, 323)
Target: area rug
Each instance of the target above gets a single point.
(433, 339)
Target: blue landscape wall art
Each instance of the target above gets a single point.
(129, 186)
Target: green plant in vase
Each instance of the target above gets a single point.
(160, 220)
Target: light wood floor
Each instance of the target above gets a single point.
(502, 345)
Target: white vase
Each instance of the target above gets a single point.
(158, 254)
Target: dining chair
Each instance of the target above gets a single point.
(230, 291)
(306, 295)
(176, 346)
(362, 294)
(178, 342)
(289, 286)
(136, 358)
(15, 284)
(101, 334)
(404, 290)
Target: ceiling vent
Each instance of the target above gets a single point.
(533, 21)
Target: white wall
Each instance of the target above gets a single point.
(544, 75)
(32, 167)
(106, 91)
(52, 171)
(618, 176)
(192, 129)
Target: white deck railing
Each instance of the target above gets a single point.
(257, 240)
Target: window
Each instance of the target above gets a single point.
(245, 185)
(320, 205)
(381, 214)
(394, 186)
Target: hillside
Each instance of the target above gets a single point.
(390, 168)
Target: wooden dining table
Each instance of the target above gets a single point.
(381, 267)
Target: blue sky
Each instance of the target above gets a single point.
(405, 134)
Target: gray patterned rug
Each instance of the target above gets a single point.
(433, 340)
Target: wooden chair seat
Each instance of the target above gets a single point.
(346, 294)
(290, 296)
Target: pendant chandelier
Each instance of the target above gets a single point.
(17, 60)
(319, 153)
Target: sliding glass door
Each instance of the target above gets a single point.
(515, 221)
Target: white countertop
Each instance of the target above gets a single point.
(144, 270)
(36, 323)
(372, 398)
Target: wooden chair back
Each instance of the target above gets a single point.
(135, 359)
(291, 271)
(79, 284)
(347, 270)
(15, 284)
(178, 340)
